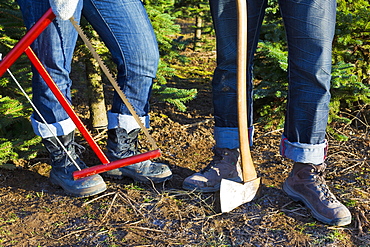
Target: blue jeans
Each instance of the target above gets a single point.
(310, 30)
(127, 32)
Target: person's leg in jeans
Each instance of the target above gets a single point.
(129, 36)
(310, 26)
(225, 163)
(310, 30)
(54, 47)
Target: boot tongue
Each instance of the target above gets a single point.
(308, 171)
(320, 168)
(133, 133)
(305, 166)
(220, 154)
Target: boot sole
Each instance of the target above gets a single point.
(91, 191)
(297, 197)
(142, 179)
(191, 187)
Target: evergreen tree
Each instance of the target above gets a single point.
(199, 11)
(166, 31)
(17, 139)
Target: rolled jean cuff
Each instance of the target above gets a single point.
(303, 153)
(55, 129)
(127, 122)
(228, 137)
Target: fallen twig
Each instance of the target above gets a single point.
(197, 123)
(97, 198)
(110, 206)
(125, 197)
(362, 191)
(270, 132)
(71, 233)
(294, 212)
(359, 224)
(349, 168)
(143, 228)
(287, 204)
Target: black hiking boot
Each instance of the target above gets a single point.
(121, 145)
(63, 167)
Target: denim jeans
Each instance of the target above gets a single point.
(309, 28)
(125, 29)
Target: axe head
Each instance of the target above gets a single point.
(234, 194)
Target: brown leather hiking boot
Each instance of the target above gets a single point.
(306, 184)
(225, 164)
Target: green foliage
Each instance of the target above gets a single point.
(164, 27)
(175, 96)
(166, 31)
(17, 139)
(271, 91)
(348, 92)
(11, 25)
(191, 8)
(11, 30)
(347, 88)
(353, 35)
(351, 49)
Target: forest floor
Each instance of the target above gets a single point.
(34, 213)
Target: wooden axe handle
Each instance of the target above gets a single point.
(249, 172)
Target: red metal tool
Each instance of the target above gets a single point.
(23, 46)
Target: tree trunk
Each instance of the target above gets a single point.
(198, 31)
(98, 112)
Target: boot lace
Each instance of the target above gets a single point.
(128, 146)
(74, 150)
(318, 178)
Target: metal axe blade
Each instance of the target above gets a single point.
(235, 194)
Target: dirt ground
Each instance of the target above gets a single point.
(34, 213)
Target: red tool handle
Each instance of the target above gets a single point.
(26, 41)
(24, 46)
(116, 164)
(65, 104)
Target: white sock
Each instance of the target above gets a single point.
(64, 9)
